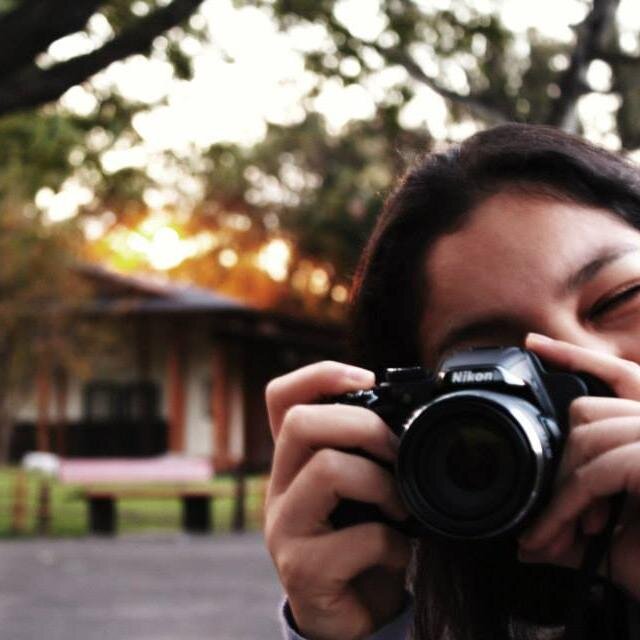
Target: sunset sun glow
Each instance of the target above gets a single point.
(158, 243)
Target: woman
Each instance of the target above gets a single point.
(521, 235)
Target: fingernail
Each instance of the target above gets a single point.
(539, 338)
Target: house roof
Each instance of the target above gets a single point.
(118, 293)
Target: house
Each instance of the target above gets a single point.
(184, 371)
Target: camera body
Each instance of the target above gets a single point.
(480, 440)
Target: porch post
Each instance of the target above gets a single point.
(143, 348)
(220, 389)
(43, 401)
(176, 372)
(61, 404)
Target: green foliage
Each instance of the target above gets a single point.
(485, 72)
(329, 187)
(9, 5)
(35, 151)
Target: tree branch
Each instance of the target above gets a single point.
(473, 103)
(34, 25)
(617, 58)
(33, 86)
(590, 34)
(625, 70)
(398, 56)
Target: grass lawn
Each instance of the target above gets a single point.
(69, 511)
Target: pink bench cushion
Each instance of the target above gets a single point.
(163, 469)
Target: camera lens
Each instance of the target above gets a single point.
(467, 466)
(470, 464)
(473, 459)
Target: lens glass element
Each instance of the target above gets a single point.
(468, 465)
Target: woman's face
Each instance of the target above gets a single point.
(525, 263)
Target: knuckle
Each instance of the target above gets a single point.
(295, 424)
(380, 536)
(581, 444)
(271, 529)
(295, 419)
(269, 532)
(330, 366)
(272, 391)
(331, 370)
(325, 465)
(294, 571)
(630, 369)
(556, 552)
(579, 481)
(580, 410)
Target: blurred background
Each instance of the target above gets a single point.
(185, 187)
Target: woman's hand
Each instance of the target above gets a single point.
(346, 583)
(601, 458)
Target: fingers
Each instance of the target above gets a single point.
(362, 546)
(326, 573)
(588, 441)
(617, 470)
(623, 376)
(588, 409)
(326, 479)
(595, 518)
(324, 579)
(308, 428)
(565, 550)
(310, 383)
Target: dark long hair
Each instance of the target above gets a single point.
(471, 592)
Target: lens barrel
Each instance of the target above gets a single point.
(475, 464)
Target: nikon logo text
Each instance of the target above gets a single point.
(467, 376)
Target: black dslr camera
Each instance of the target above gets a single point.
(480, 440)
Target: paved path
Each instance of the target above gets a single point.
(138, 588)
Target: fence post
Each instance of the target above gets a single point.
(44, 509)
(239, 523)
(19, 506)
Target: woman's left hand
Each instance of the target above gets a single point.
(601, 458)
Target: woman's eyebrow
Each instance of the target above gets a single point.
(593, 266)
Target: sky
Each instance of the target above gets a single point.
(251, 73)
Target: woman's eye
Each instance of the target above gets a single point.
(609, 304)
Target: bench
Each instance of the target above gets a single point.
(196, 505)
(105, 481)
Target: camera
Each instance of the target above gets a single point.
(480, 440)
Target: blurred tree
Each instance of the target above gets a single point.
(321, 190)
(324, 187)
(38, 294)
(483, 70)
(47, 144)
(48, 148)
(29, 77)
(309, 183)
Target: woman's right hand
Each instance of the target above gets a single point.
(343, 583)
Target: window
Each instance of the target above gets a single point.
(106, 401)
